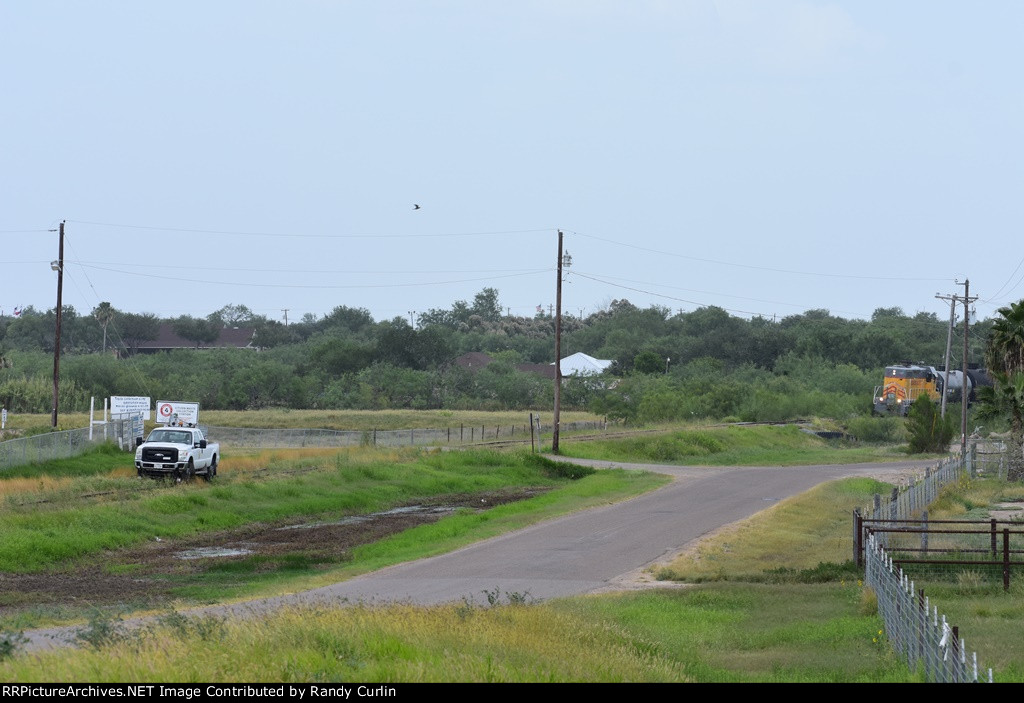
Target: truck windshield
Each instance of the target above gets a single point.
(171, 436)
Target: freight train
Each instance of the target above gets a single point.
(905, 382)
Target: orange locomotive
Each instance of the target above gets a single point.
(904, 383)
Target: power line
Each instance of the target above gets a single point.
(393, 272)
(286, 235)
(306, 286)
(756, 268)
(662, 295)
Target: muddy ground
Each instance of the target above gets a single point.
(145, 576)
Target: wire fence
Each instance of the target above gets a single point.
(293, 438)
(970, 551)
(123, 431)
(988, 458)
(913, 625)
(60, 445)
(906, 502)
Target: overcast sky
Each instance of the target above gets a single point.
(765, 157)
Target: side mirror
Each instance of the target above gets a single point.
(202, 444)
(138, 442)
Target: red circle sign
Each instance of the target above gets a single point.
(165, 410)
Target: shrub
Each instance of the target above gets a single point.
(876, 429)
(929, 432)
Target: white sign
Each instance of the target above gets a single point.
(3, 421)
(130, 405)
(172, 412)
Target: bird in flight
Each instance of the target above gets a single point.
(415, 207)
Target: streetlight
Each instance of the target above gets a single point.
(667, 359)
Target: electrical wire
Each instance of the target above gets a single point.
(755, 268)
(312, 236)
(321, 287)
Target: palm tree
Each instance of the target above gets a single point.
(1004, 356)
(104, 314)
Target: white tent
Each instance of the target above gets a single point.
(580, 364)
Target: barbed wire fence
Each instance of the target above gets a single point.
(295, 438)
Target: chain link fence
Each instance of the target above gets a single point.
(251, 438)
(61, 445)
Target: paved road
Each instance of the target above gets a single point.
(574, 554)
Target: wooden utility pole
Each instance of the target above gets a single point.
(58, 266)
(963, 390)
(558, 350)
(949, 344)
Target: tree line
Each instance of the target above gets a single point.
(667, 365)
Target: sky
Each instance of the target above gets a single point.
(764, 157)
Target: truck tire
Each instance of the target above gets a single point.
(211, 470)
(190, 471)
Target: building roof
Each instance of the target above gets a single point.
(474, 361)
(230, 337)
(580, 364)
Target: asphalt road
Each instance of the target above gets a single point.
(575, 554)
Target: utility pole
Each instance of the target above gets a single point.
(949, 344)
(411, 323)
(566, 261)
(285, 311)
(58, 266)
(963, 390)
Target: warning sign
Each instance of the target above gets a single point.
(172, 412)
(129, 405)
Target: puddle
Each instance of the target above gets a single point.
(205, 552)
(357, 519)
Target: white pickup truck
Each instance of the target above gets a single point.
(179, 452)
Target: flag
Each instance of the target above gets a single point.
(17, 312)
(539, 309)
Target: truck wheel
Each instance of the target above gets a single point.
(211, 470)
(190, 472)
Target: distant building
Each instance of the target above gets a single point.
(229, 338)
(578, 364)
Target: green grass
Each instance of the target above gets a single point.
(40, 535)
(804, 538)
(771, 445)
(101, 459)
(283, 418)
(989, 618)
(781, 603)
(753, 633)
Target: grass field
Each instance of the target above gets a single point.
(735, 631)
(61, 520)
(772, 600)
(283, 418)
(736, 445)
